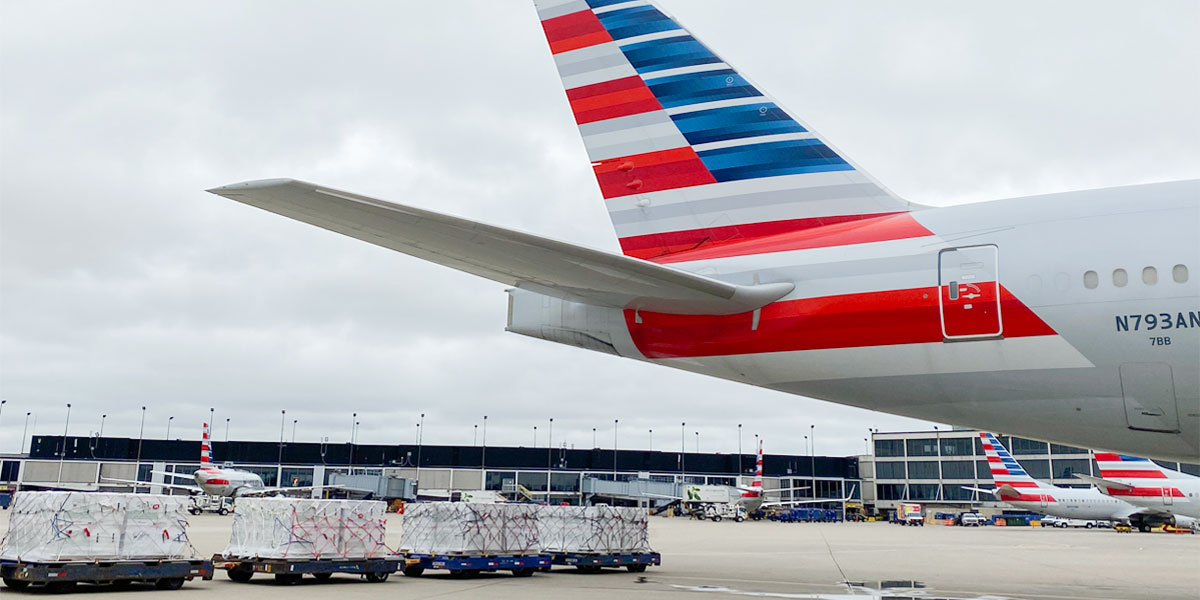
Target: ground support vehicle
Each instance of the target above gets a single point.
(213, 504)
(718, 511)
(62, 576)
(466, 565)
(634, 562)
(291, 571)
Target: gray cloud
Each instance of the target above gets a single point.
(123, 284)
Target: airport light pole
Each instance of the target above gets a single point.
(652, 440)
(169, 419)
(697, 442)
(683, 451)
(739, 480)
(2, 403)
(353, 428)
(812, 458)
(475, 435)
(614, 449)
(226, 429)
(211, 410)
(938, 441)
(483, 460)
(420, 443)
(594, 444)
(294, 421)
(550, 449)
(23, 431)
(534, 437)
(282, 423)
(102, 418)
(63, 455)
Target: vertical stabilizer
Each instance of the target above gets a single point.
(1005, 469)
(206, 446)
(688, 153)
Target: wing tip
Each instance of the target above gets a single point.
(246, 186)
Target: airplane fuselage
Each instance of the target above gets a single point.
(1073, 503)
(1070, 317)
(227, 482)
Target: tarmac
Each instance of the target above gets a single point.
(704, 560)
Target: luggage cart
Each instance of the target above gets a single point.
(634, 562)
(467, 565)
(291, 571)
(63, 576)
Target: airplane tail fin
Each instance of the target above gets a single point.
(1005, 469)
(689, 154)
(757, 483)
(1121, 467)
(206, 446)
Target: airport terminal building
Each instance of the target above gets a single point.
(929, 467)
(560, 474)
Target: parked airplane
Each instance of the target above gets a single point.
(1146, 484)
(217, 481)
(1014, 486)
(757, 252)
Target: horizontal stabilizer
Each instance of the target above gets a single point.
(1100, 482)
(523, 260)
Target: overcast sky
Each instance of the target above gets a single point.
(123, 284)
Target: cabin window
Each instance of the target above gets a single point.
(1179, 273)
(1149, 276)
(1091, 280)
(1120, 278)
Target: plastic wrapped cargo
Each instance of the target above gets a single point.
(297, 528)
(470, 528)
(61, 526)
(593, 529)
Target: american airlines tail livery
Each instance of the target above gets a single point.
(756, 251)
(1014, 486)
(1144, 483)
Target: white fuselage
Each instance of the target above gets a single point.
(1075, 503)
(227, 482)
(1099, 324)
(1178, 496)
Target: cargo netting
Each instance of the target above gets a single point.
(294, 528)
(470, 528)
(593, 529)
(62, 526)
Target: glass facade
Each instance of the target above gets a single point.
(495, 479)
(957, 447)
(534, 482)
(958, 469)
(564, 482)
(923, 491)
(956, 493)
(982, 470)
(922, 447)
(1065, 468)
(297, 476)
(922, 469)
(889, 448)
(889, 470)
(889, 491)
(1019, 446)
(1036, 468)
(1061, 449)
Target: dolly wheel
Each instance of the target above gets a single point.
(413, 571)
(241, 573)
(636, 568)
(322, 576)
(377, 577)
(16, 584)
(169, 583)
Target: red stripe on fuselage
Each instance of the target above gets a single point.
(845, 321)
(1142, 492)
(651, 172)
(612, 99)
(574, 31)
(772, 236)
(1131, 474)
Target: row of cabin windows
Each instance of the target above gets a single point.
(1120, 277)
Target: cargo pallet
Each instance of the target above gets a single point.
(635, 562)
(292, 571)
(521, 565)
(63, 576)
